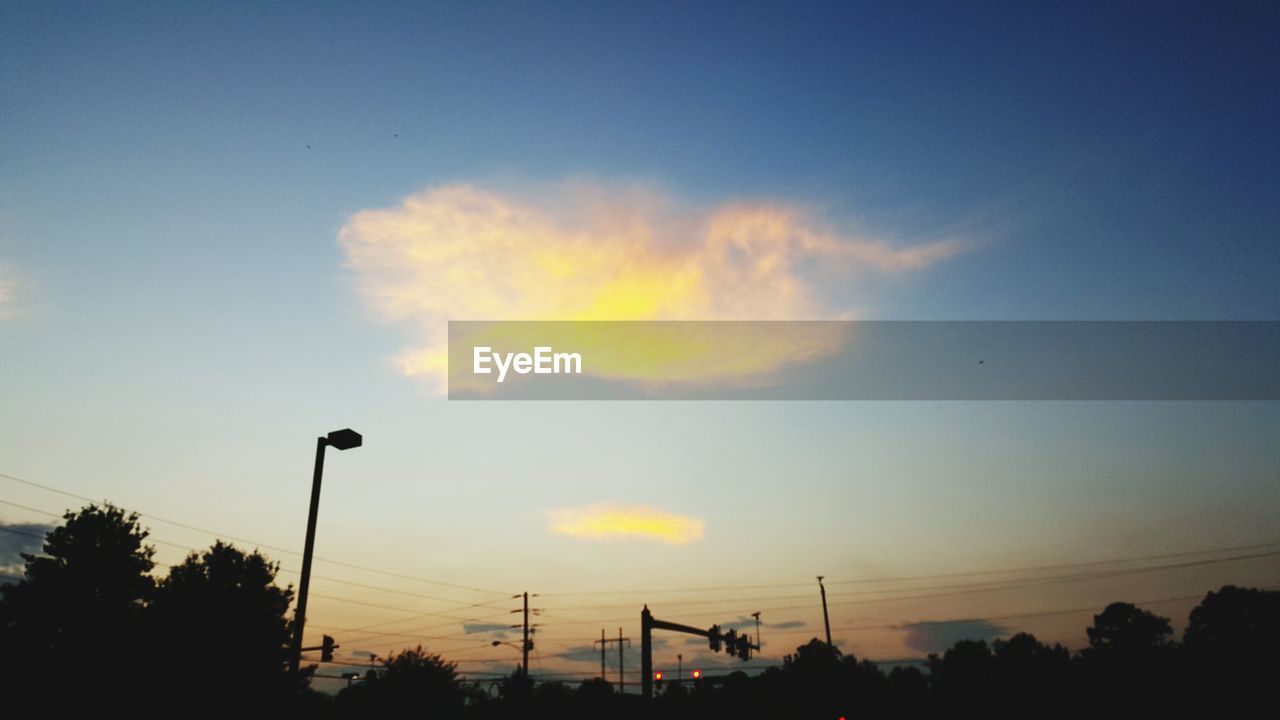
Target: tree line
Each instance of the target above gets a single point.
(90, 626)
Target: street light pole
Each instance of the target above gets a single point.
(826, 620)
(342, 440)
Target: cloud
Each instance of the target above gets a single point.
(19, 538)
(585, 653)
(473, 628)
(607, 521)
(938, 635)
(589, 251)
(741, 624)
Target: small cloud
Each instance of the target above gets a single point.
(473, 628)
(749, 624)
(938, 635)
(607, 521)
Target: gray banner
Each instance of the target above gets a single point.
(865, 360)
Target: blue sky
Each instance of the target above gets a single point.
(179, 319)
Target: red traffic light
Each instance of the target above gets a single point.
(696, 674)
(657, 675)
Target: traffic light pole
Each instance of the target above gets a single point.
(648, 623)
(646, 652)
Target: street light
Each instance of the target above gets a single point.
(341, 440)
(528, 645)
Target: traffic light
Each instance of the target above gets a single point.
(657, 679)
(744, 648)
(326, 649)
(713, 638)
(731, 642)
(696, 674)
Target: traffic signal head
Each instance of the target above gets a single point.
(744, 648)
(731, 642)
(326, 649)
(657, 678)
(696, 674)
(713, 638)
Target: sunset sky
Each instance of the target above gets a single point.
(228, 228)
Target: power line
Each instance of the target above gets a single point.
(153, 539)
(413, 613)
(1078, 578)
(911, 578)
(194, 528)
(411, 633)
(968, 589)
(1011, 616)
(1063, 566)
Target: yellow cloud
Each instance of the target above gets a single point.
(606, 521)
(460, 252)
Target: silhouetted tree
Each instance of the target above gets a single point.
(1231, 643)
(1026, 670)
(221, 612)
(1128, 665)
(821, 681)
(1235, 625)
(595, 688)
(908, 688)
(964, 672)
(75, 616)
(1128, 631)
(412, 681)
(814, 657)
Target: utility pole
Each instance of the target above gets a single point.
(826, 619)
(622, 675)
(622, 679)
(527, 629)
(679, 668)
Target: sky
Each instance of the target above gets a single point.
(228, 228)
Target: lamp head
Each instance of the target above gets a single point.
(344, 439)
